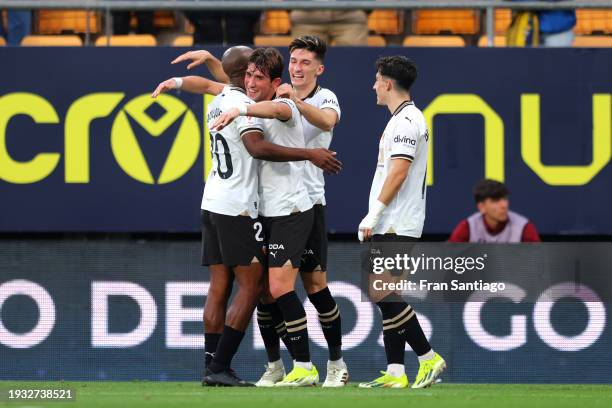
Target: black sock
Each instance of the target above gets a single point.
(295, 319)
(268, 332)
(416, 338)
(399, 317)
(228, 346)
(281, 328)
(394, 341)
(211, 340)
(331, 324)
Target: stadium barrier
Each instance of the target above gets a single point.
(103, 156)
(124, 310)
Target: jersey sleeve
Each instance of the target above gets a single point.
(295, 113)
(245, 124)
(329, 100)
(405, 138)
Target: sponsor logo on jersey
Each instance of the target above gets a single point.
(329, 102)
(213, 114)
(404, 139)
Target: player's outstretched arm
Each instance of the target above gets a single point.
(265, 110)
(398, 172)
(200, 57)
(324, 119)
(261, 149)
(193, 84)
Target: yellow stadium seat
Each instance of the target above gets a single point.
(498, 41)
(386, 22)
(503, 19)
(594, 41)
(376, 41)
(272, 40)
(66, 21)
(51, 41)
(275, 22)
(183, 41)
(132, 40)
(2, 42)
(445, 22)
(433, 41)
(593, 21)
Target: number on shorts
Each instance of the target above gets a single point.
(258, 229)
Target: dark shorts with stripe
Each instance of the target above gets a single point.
(231, 240)
(286, 237)
(315, 253)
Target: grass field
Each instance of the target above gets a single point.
(188, 394)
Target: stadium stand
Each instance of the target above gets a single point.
(52, 40)
(376, 41)
(65, 21)
(498, 41)
(433, 41)
(275, 22)
(593, 41)
(164, 19)
(446, 22)
(595, 21)
(272, 40)
(183, 41)
(389, 22)
(503, 18)
(132, 40)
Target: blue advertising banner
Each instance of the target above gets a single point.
(84, 148)
(122, 310)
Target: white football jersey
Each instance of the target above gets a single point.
(405, 137)
(281, 185)
(321, 98)
(231, 187)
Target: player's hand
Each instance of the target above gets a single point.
(285, 91)
(196, 57)
(370, 221)
(165, 86)
(365, 227)
(225, 119)
(325, 159)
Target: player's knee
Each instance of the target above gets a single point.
(278, 289)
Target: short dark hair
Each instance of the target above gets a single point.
(310, 43)
(399, 68)
(490, 189)
(269, 61)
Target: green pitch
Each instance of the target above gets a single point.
(187, 395)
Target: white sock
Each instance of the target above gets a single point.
(427, 356)
(276, 364)
(306, 365)
(336, 363)
(395, 370)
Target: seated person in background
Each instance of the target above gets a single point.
(335, 27)
(223, 26)
(16, 25)
(494, 222)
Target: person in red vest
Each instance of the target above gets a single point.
(494, 222)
